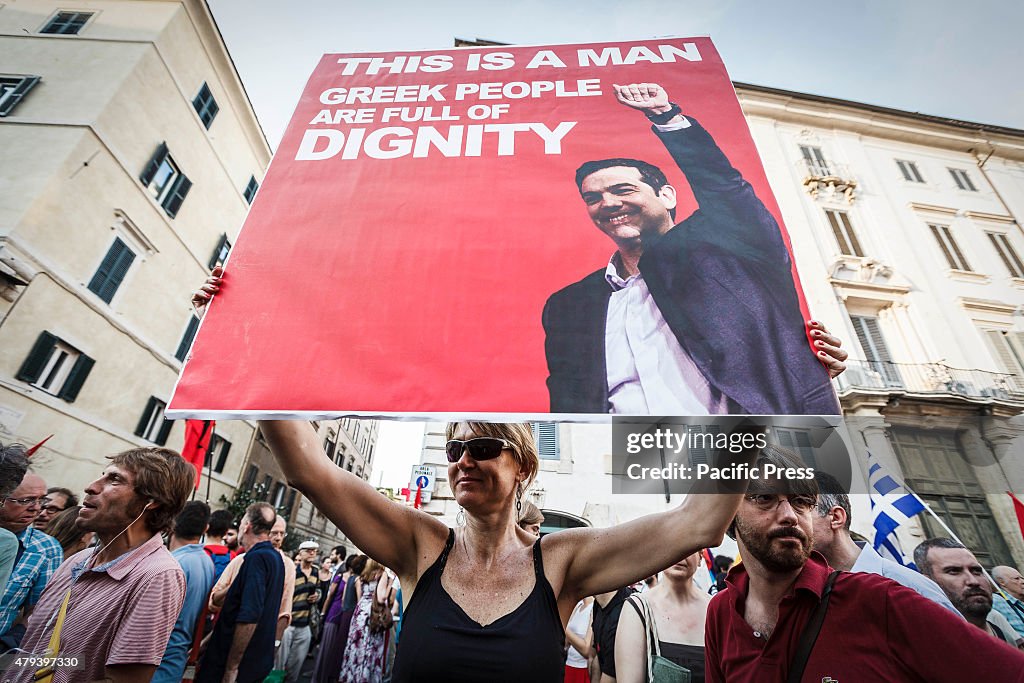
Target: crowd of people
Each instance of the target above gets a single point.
(145, 584)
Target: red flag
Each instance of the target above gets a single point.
(30, 452)
(418, 503)
(1018, 507)
(197, 442)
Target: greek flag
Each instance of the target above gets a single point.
(891, 505)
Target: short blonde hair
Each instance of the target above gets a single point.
(518, 434)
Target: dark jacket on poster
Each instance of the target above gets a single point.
(721, 279)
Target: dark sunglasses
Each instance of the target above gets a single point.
(480, 448)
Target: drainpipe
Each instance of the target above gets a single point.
(981, 167)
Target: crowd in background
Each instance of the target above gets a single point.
(148, 585)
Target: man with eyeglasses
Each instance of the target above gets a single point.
(833, 540)
(58, 499)
(784, 600)
(13, 465)
(39, 556)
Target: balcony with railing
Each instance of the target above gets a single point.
(825, 177)
(930, 380)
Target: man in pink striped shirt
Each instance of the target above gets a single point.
(124, 596)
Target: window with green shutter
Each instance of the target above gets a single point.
(13, 89)
(55, 367)
(67, 23)
(186, 339)
(217, 453)
(165, 181)
(250, 189)
(113, 268)
(205, 105)
(220, 254)
(152, 425)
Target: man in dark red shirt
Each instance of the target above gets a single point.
(874, 629)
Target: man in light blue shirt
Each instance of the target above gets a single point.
(13, 465)
(38, 557)
(185, 547)
(1012, 585)
(833, 540)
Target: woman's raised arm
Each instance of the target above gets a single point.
(390, 533)
(601, 560)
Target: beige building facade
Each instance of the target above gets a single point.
(129, 156)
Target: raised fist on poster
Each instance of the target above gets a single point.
(648, 97)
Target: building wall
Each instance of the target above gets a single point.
(71, 154)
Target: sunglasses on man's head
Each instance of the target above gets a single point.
(480, 448)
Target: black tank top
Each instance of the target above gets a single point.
(441, 643)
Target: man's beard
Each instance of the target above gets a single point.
(774, 558)
(973, 608)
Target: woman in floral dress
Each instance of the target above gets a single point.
(364, 655)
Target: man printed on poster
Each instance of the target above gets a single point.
(689, 318)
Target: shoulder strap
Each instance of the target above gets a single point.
(447, 548)
(639, 610)
(538, 561)
(643, 610)
(810, 633)
(653, 644)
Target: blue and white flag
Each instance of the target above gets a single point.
(892, 505)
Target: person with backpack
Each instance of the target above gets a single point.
(221, 554)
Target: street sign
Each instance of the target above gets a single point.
(422, 478)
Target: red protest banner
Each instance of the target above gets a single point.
(459, 232)
(197, 442)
